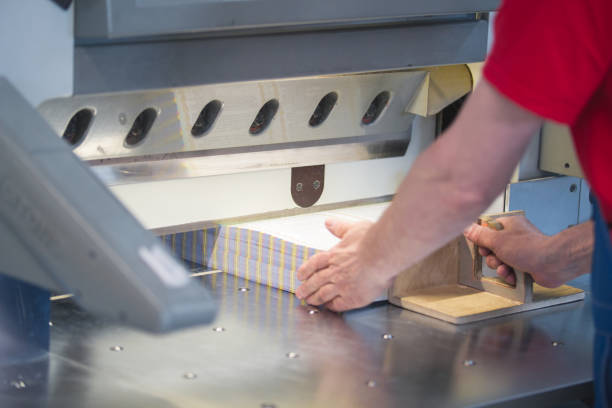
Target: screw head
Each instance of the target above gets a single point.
(116, 348)
(316, 184)
(19, 384)
(292, 355)
(51, 324)
(299, 187)
(573, 188)
(556, 343)
(371, 383)
(190, 376)
(218, 329)
(469, 363)
(387, 336)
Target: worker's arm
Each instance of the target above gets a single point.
(551, 260)
(449, 186)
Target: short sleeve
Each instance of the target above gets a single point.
(551, 56)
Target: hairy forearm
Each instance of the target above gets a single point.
(452, 182)
(569, 253)
(429, 208)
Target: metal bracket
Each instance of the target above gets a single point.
(307, 184)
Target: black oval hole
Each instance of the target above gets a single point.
(140, 128)
(264, 117)
(323, 109)
(377, 106)
(207, 118)
(78, 126)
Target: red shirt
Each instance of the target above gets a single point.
(554, 58)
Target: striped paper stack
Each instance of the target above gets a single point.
(268, 251)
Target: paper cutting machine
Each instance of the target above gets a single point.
(204, 112)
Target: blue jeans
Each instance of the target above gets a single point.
(601, 286)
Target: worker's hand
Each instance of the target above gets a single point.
(340, 278)
(519, 245)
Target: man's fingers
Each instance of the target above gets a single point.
(312, 284)
(506, 273)
(325, 293)
(484, 251)
(493, 262)
(338, 304)
(481, 236)
(316, 262)
(338, 226)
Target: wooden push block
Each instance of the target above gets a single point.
(521, 291)
(449, 285)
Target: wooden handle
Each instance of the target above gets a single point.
(523, 288)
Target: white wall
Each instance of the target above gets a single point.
(36, 48)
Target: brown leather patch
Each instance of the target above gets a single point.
(307, 184)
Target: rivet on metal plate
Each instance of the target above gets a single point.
(19, 384)
(190, 376)
(292, 355)
(371, 383)
(116, 348)
(51, 324)
(387, 336)
(469, 363)
(557, 343)
(219, 329)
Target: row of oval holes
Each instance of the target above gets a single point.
(80, 122)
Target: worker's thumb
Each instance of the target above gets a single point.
(481, 236)
(338, 226)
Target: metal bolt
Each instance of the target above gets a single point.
(20, 385)
(292, 355)
(122, 118)
(469, 363)
(573, 188)
(190, 376)
(371, 383)
(313, 311)
(116, 348)
(557, 343)
(243, 289)
(299, 187)
(218, 329)
(51, 324)
(387, 336)
(316, 184)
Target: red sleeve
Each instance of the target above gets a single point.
(551, 56)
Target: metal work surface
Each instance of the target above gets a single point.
(268, 350)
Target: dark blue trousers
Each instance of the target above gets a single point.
(601, 282)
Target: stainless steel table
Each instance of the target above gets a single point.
(268, 350)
